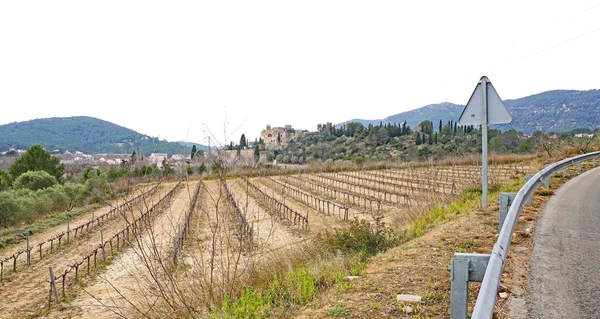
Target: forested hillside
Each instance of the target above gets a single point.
(551, 111)
(81, 133)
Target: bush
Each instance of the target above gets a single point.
(9, 206)
(34, 180)
(360, 239)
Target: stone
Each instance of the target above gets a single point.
(528, 230)
(407, 309)
(409, 298)
(503, 295)
(350, 278)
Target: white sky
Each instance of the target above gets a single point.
(166, 68)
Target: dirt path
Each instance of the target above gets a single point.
(26, 293)
(392, 213)
(318, 222)
(270, 233)
(130, 278)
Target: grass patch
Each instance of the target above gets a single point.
(283, 292)
(337, 311)
(15, 236)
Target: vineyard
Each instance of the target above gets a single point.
(134, 256)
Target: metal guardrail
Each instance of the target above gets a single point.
(486, 299)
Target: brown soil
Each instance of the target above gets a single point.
(117, 291)
(25, 293)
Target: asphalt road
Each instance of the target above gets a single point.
(565, 264)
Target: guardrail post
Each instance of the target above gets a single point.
(565, 174)
(579, 167)
(464, 268)
(527, 178)
(506, 200)
(594, 161)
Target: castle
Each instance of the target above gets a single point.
(278, 137)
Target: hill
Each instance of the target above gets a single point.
(81, 133)
(551, 111)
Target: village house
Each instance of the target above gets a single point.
(278, 137)
(158, 159)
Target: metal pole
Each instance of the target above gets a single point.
(102, 244)
(179, 239)
(484, 145)
(53, 284)
(68, 228)
(28, 253)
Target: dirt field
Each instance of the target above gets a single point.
(128, 278)
(144, 280)
(25, 293)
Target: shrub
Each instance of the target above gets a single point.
(34, 180)
(9, 206)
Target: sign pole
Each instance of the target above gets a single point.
(484, 144)
(484, 107)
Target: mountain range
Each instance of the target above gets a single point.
(85, 134)
(551, 111)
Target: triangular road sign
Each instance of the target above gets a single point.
(497, 113)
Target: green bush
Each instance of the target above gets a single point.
(34, 180)
(360, 239)
(25, 206)
(8, 207)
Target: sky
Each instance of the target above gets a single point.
(184, 70)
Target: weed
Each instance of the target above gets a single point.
(337, 311)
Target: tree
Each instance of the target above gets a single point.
(440, 128)
(243, 142)
(89, 172)
(133, 157)
(193, 152)
(34, 180)
(418, 140)
(430, 140)
(278, 138)
(189, 170)
(5, 180)
(201, 169)
(256, 153)
(426, 127)
(37, 159)
(168, 170)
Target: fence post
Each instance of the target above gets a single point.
(68, 231)
(102, 245)
(27, 244)
(53, 284)
(175, 251)
(179, 239)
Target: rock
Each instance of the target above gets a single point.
(350, 278)
(528, 230)
(409, 298)
(407, 309)
(503, 295)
